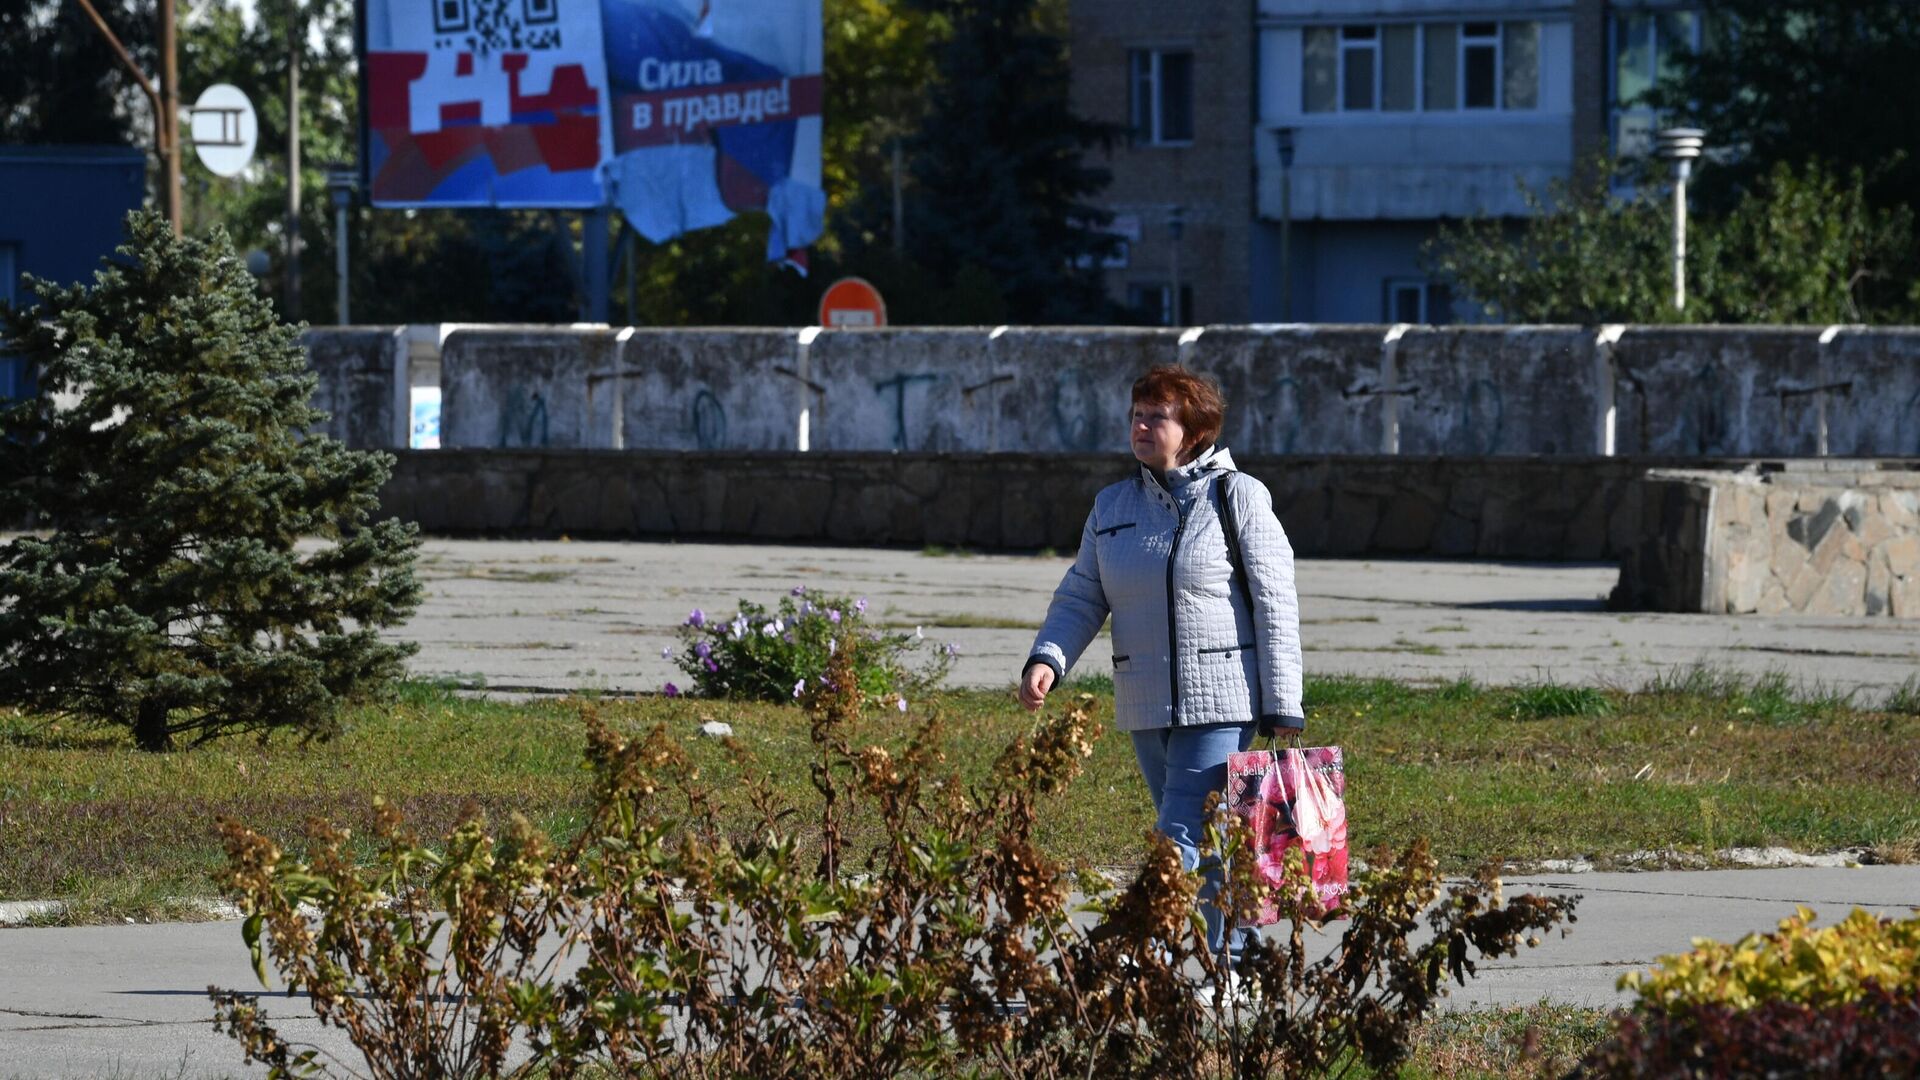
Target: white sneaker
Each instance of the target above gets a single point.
(1237, 994)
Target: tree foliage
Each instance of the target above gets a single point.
(1001, 183)
(59, 79)
(169, 595)
(1801, 246)
(1831, 81)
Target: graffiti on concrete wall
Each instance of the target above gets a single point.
(708, 419)
(1280, 407)
(1481, 420)
(1077, 417)
(1703, 426)
(898, 385)
(523, 419)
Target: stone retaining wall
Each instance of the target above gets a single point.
(1509, 508)
(1843, 539)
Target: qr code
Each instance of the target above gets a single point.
(487, 26)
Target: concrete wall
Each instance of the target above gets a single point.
(1291, 389)
(1507, 508)
(363, 384)
(1815, 538)
(526, 388)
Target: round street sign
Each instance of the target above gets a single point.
(223, 129)
(852, 302)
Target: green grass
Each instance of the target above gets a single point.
(1524, 1041)
(1693, 763)
(1545, 701)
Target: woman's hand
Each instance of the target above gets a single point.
(1034, 686)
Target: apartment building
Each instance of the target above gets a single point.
(1289, 158)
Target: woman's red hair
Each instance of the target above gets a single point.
(1202, 410)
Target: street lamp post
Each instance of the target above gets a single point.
(1283, 140)
(1680, 146)
(341, 181)
(1176, 227)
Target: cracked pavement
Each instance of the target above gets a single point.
(548, 616)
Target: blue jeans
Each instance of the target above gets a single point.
(1183, 767)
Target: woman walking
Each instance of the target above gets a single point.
(1189, 559)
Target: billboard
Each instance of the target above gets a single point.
(680, 113)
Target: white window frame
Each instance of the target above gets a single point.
(1395, 286)
(1371, 45)
(1152, 84)
(1461, 42)
(1499, 43)
(1169, 305)
(1616, 109)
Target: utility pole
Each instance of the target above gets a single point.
(899, 205)
(294, 45)
(165, 100)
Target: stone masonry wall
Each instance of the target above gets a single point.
(1519, 508)
(1842, 540)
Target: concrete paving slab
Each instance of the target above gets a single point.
(564, 616)
(130, 1001)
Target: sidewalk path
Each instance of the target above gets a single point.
(130, 1001)
(563, 616)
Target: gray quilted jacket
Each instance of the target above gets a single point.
(1192, 643)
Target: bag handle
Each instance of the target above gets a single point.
(1230, 527)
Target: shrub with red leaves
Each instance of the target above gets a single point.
(1877, 1036)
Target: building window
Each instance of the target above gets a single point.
(1417, 301)
(1154, 303)
(1162, 97)
(1359, 66)
(1647, 47)
(1436, 67)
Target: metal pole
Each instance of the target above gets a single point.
(1286, 244)
(294, 45)
(1680, 171)
(593, 254)
(340, 257)
(167, 124)
(1175, 226)
(899, 205)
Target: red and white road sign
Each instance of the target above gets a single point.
(852, 302)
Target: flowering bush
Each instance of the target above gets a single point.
(774, 655)
(1840, 1000)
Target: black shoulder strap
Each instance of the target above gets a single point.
(1230, 526)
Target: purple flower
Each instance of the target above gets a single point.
(952, 649)
(860, 605)
(666, 651)
(833, 615)
(903, 703)
(799, 590)
(702, 650)
(769, 630)
(696, 617)
(670, 690)
(711, 666)
(832, 644)
(799, 687)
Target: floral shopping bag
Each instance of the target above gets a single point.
(1293, 798)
